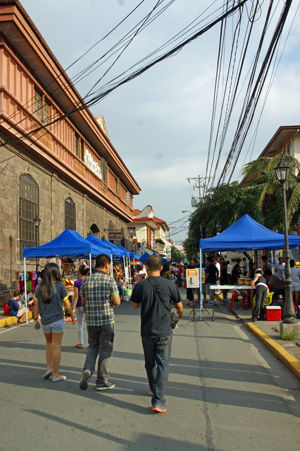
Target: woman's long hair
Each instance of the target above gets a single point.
(51, 274)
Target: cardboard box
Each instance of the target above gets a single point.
(273, 313)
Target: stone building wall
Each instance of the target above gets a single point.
(53, 191)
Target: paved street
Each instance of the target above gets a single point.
(226, 392)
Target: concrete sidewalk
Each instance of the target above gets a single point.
(268, 332)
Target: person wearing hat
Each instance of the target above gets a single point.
(261, 291)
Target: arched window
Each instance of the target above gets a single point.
(70, 214)
(28, 212)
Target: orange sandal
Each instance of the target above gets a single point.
(79, 346)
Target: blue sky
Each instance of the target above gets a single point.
(160, 122)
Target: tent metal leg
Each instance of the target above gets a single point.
(200, 286)
(90, 258)
(25, 288)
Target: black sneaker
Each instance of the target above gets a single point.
(84, 379)
(107, 386)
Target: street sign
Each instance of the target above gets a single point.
(192, 278)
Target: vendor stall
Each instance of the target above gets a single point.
(68, 244)
(244, 235)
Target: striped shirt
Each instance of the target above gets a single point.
(97, 290)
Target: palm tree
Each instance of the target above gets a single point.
(261, 172)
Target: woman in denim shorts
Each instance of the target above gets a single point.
(50, 296)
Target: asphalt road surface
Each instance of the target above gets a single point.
(225, 392)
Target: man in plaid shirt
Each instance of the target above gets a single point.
(99, 293)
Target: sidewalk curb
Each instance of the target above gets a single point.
(11, 320)
(286, 357)
(290, 361)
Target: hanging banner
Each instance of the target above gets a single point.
(192, 278)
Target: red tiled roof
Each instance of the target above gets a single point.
(161, 221)
(136, 212)
(144, 220)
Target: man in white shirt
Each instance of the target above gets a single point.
(279, 269)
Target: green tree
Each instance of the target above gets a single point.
(221, 207)
(176, 256)
(261, 172)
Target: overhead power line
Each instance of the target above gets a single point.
(116, 84)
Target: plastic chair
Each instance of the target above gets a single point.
(235, 297)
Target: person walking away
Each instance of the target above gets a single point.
(50, 296)
(261, 291)
(211, 276)
(77, 308)
(99, 294)
(295, 272)
(279, 269)
(156, 295)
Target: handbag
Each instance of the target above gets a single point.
(173, 317)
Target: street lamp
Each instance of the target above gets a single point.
(282, 171)
(37, 222)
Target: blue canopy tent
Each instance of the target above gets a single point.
(68, 244)
(127, 253)
(116, 250)
(244, 235)
(144, 257)
(247, 234)
(104, 246)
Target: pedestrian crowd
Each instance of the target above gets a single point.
(264, 279)
(92, 296)
(95, 295)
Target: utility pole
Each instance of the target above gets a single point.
(199, 185)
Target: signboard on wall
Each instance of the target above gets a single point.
(192, 278)
(115, 234)
(92, 164)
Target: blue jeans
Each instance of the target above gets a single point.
(100, 340)
(157, 352)
(79, 316)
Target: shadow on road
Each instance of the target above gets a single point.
(29, 375)
(139, 444)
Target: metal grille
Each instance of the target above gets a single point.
(70, 214)
(28, 211)
(38, 104)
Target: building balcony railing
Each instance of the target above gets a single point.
(18, 122)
